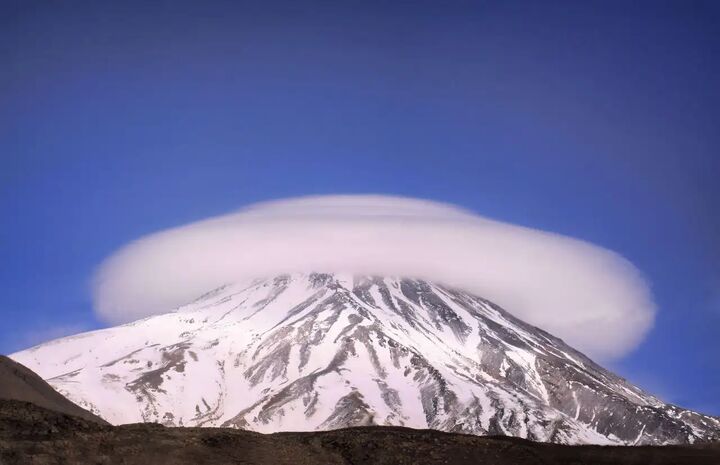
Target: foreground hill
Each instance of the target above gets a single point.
(321, 352)
(31, 435)
(19, 383)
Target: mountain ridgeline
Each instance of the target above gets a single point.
(308, 352)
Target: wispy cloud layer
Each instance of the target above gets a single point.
(591, 297)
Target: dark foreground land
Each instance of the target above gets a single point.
(34, 435)
(17, 382)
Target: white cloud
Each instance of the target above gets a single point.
(591, 297)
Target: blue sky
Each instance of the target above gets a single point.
(594, 120)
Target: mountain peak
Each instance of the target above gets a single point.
(321, 351)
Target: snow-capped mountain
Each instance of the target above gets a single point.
(320, 351)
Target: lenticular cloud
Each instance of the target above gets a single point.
(589, 296)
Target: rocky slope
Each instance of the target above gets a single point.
(19, 383)
(320, 352)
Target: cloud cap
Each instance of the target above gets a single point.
(591, 297)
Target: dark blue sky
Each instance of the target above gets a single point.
(595, 120)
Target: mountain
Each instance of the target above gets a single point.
(20, 384)
(321, 352)
(35, 435)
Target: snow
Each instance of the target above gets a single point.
(195, 366)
